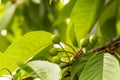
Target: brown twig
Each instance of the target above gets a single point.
(114, 41)
(109, 44)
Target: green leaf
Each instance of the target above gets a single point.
(10, 9)
(103, 66)
(36, 15)
(78, 65)
(66, 11)
(73, 36)
(26, 47)
(43, 53)
(108, 19)
(84, 15)
(27, 68)
(4, 43)
(62, 31)
(4, 1)
(68, 78)
(42, 69)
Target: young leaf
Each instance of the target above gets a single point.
(43, 53)
(42, 69)
(84, 15)
(72, 36)
(10, 9)
(78, 65)
(27, 46)
(66, 11)
(103, 66)
(107, 20)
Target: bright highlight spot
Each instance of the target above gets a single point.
(58, 46)
(68, 20)
(37, 79)
(20, 1)
(64, 1)
(4, 32)
(37, 1)
(5, 78)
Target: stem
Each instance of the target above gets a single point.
(65, 52)
(69, 46)
(8, 72)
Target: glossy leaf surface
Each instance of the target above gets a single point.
(103, 66)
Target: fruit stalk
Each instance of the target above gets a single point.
(65, 52)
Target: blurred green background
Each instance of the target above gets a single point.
(18, 17)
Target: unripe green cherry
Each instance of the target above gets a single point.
(84, 42)
(93, 38)
(53, 52)
(56, 59)
(55, 39)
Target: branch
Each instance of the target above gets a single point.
(110, 43)
(100, 48)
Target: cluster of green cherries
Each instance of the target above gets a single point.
(89, 42)
(84, 43)
(54, 51)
